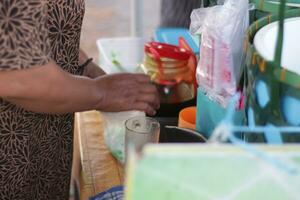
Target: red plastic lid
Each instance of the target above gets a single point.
(167, 51)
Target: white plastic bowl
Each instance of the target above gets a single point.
(126, 52)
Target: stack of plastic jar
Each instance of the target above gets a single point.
(172, 69)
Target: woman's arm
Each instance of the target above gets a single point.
(92, 70)
(49, 89)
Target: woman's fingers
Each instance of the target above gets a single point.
(147, 98)
(142, 78)
(151, 99)
(148, 93)
(142, 106)
(123, 92)
(147, 88)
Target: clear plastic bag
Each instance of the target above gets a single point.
(114, 131)
(223, 30)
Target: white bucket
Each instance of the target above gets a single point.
(266, 38)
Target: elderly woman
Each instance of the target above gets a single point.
(44, 79)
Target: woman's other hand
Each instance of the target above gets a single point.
(122, 92)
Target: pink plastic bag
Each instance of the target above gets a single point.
(222, 30)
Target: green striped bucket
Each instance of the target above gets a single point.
(267, 84)
(266, 7)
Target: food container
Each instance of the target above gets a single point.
(187, 118)
(123, 54)
(172, 69)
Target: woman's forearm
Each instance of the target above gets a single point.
(92, 70)
(49, 89)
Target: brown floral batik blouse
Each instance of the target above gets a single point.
(36, 149)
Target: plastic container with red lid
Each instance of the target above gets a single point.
(172, 69)
(168, 51)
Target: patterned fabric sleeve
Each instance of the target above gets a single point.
(23, 34)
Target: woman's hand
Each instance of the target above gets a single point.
(122, 92)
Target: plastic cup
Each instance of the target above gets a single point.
(187, 118)
(140, 131)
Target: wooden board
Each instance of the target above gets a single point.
(99, 169)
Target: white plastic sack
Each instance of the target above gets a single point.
(114, 131)
(223, 30)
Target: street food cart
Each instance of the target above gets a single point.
(229, 165)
